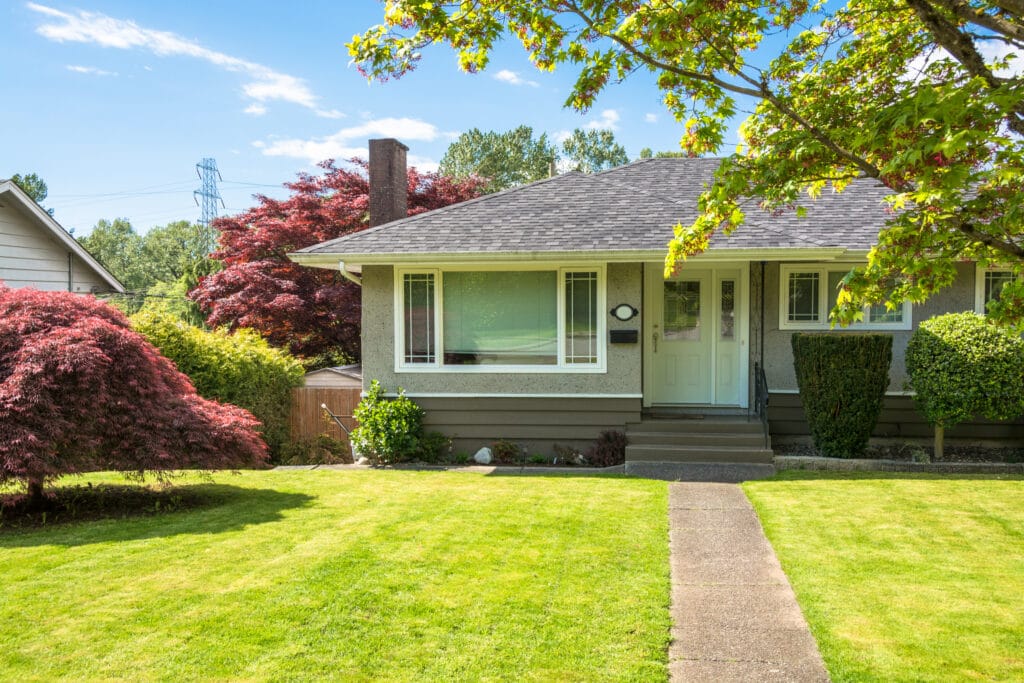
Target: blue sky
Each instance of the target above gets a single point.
(113, 103)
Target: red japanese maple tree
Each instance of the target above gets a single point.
(308, 310)
(81, 391)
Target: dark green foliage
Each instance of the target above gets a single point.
(609, 450)
(238, 368)
(390, 430)
(435, 447)
(316, 450)
(842, 380)
(962, 366)
(507, 453)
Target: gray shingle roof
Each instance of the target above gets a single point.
(633, 207)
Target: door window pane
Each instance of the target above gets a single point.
(500, 318)
(803, 297)
(728, 306)
(581, 317)
(418, 312)
(682, 310)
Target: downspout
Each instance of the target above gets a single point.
(71, 272)
(351, 277)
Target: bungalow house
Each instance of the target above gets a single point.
(35, 251)
(541, 315)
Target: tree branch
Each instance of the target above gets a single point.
(963, 49)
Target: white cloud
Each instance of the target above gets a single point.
(350, 142)
(513, 78)
(651, 118)
(608, 120)
(91, 70)
(256, 109)
(422, 163)
(562, 135)
(90, 27)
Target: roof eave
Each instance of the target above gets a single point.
(62, 235)
(357, 261)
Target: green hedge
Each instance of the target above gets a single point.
(842, 380)
(962, 366)
(238, 368)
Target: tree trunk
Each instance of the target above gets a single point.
(36, 499)
(940, 436)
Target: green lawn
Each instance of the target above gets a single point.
(904, 577)
(355, 575)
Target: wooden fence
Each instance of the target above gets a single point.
(308, 419)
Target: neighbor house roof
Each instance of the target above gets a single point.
(10, 192)
(626, 213)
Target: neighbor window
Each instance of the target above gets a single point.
(989, 286)
(526, 319)
(807, 294)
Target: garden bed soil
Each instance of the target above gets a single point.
(918, 454)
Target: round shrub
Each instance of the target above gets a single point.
(962, 366)
(240, 368)
(390, 430)
(842, 380)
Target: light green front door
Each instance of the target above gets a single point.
(694, 338)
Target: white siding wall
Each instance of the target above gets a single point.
(31, 257)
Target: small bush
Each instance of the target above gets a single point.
(390, 430)
(507, 453)
(842, 380)
(318, 450)
(962, 366)
(567, 455)
(609, 450)
(240, 368)
(435, 447)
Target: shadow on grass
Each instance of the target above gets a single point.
(127, 513)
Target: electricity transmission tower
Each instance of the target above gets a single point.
(209, 175)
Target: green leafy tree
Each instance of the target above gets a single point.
(172, 251)
(591, 151)
(120, 249)
(917, 95)
(506, 160)
(647, 153)
(34, 187)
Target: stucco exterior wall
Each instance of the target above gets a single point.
(778, 353)
(623, 375)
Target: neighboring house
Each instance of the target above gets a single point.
(341, 377)
(35, 251)
(541, 314)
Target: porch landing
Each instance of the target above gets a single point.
(673, 437)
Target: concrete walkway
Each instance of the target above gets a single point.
(734, 615)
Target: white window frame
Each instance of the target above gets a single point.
(979, 284)
(560, 367)
(826, 300)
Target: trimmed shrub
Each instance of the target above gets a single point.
(240, 368)
(390, 430)
(608, 450)
(961, 366)
(842, 380)
(507, 453)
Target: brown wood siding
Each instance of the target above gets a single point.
(309, 420)
(535, 423)
(899, 419)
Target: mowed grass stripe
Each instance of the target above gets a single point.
(354, 575)
(904, 577)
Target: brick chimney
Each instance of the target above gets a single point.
(388, 182)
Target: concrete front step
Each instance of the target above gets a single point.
(710, 454)
(734, 440)
(698, 426)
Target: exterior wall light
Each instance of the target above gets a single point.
(624, 312)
